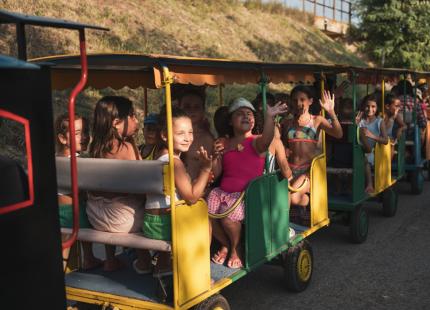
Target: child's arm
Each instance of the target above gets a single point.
(281, 159)
(382, 138)
(334, 129)
(262, 142)
(191, 192)
(217, 151)
(401, 125)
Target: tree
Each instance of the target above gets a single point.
(395, 33)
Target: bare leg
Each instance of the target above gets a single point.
(369, 186)
(89, 261)
(143, 261)
(111, 263)
(233, 230)
(300, 198)
(164, 262)
(219, 234)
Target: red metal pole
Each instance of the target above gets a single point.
(73, 166)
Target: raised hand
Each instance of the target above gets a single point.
(278, 108)
(358, 117)
(328, 102)
(219, 147)
(369, 134)
(204, 159)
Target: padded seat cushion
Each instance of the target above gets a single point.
(131, 240)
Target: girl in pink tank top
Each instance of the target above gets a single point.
(240, 159)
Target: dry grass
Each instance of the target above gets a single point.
(223, 29)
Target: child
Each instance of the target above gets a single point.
(114, 125)
(301, 136)
(193, 103)
(372, 130)
(242, 161)
(393, 117)
(149, 150)
(62, 142)
(346, 113)
(258, 106)
(157, 220)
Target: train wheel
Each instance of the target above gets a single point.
(215, 302)
(359, 225)
(389, 202)
(417, 182)
(298, 266)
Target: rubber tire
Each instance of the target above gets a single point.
(417, 182)
(359, 225)
(389, 202)
(293, 280)
(212, 302)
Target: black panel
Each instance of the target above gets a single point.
(31, 274)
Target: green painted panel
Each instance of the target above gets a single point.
(257, 235)
(279, 211)
(358, 176)
(267, 218)
(401, 156)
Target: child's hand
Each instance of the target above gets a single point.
(328, 102)
(278, 108)
(396, 111)
(204, 158)
(369, 134)
(358, 117)
(219, 147)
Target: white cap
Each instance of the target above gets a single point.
(240, 103)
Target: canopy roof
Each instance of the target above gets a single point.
(7, 17)
(132, 70)
(7, 62)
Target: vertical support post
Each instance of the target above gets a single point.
(303, 6)
(21, 40)
(354, 99)
(167, 81)
(221, 95)
(334, 9)
(315, 8)
(323, 8)
(349, 13)
(73, 164)
(383, 97)
(145, 101)
(263, 90)
(322, 111)
(404, 96)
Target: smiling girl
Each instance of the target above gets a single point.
(240, 158)
(157, 220)
(301, 137)
(372, 130)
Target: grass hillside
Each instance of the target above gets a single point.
(222, 29)
(213, 28)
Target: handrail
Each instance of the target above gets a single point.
(73, 166)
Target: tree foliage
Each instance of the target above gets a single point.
(395, 33)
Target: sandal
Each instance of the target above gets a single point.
(140, 271)
(219, 257)
(234, 263)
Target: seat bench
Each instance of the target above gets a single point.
(332, 170)
(130, 240)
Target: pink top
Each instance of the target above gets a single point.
(240, 167)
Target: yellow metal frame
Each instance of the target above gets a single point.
(318, 186)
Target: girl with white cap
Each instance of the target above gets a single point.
(240, 159)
